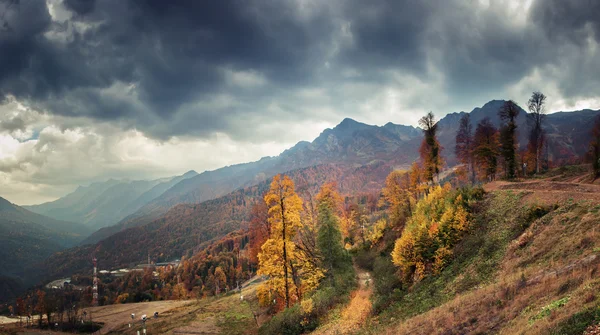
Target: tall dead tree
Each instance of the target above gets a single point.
(535, 120)
(430, 148)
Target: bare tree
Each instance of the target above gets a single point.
(535, 120)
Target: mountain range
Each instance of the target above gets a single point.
(181, 215)
(350, 143)
(103, 204)
(27, 238)
(357, 144)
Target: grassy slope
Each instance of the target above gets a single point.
(215, 315)
(519, 271)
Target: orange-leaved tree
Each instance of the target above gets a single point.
(259, 228)
(40, 305)
(486, 149)
(417, 185)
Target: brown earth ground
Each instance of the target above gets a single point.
(227, 314)
(549, 192)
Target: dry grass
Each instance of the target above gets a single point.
(508, 308)
(548, 274)
(354, 315)
(221, 315)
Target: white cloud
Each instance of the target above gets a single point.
(245, 79)
(58, 160)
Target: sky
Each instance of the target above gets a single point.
(92, 90)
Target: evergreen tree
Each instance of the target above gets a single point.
(508, 137)
(329, 237)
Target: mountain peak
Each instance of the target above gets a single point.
(190, 173)
(349, 124)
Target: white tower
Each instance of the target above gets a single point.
(95, 285)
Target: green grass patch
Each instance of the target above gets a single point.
(577, 323)
(547, 310)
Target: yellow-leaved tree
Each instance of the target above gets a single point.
(289, 276)
(398, 196)
(436, 225)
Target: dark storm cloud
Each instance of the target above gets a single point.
(81, 7)
(162, 66)
(573, 29)
(388, 33)
(568, 20)
(172, 51)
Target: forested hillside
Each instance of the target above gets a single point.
(187, 228)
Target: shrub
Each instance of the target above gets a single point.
(535, 212)
(289, 321)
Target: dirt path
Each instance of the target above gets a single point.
(353, 316)
(549, 192)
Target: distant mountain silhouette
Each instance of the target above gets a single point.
(349, 143)
(103, 204)
(27, 238)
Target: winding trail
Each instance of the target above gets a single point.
(353, 315)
